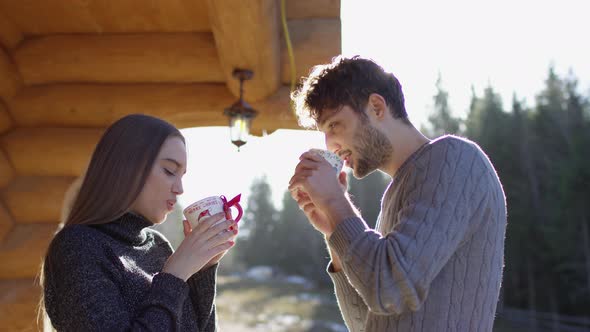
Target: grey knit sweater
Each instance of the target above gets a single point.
(435, 260)
(107, 278)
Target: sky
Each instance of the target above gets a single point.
(506, 44)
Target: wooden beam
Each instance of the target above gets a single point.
(276, 114)
(36, 199)
(19, 299)
(10, 35)
(247, 36)
(7, 172)
(315, 41)
(22, 250)
(50, 151)
(121, 16)
(6, 222)
(176, 57)
(180, 57)
(300, 9)
(10, 81)
(89, 105)
(5, 118)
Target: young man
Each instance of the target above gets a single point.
(434, 261)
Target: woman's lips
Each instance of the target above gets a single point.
(170, 205)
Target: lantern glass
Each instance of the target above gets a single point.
(239, 128)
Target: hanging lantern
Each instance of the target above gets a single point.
(240, 113)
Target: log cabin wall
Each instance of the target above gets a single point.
(70, 68)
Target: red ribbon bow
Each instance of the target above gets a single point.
(232, 202)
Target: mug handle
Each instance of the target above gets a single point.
(240, 212)
(233, 202)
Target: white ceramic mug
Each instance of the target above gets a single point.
(210, 206)
(331, 157)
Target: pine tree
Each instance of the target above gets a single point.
(441, 120)
(257, 244)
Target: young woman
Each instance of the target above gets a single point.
(106, 269)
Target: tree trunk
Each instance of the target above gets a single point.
(554, 309)
(586, 248)
(531, 295)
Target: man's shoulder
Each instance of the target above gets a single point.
(457, 142)
(460, 152)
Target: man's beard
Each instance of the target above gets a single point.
(373, 150)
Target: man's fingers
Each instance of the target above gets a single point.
(306, 164)
(310, 156)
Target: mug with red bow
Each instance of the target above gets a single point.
(210, 206)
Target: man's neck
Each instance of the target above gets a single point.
(407, 140)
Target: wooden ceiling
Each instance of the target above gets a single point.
(87, 63)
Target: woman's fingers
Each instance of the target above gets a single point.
(186, 227)
(218, 249)
(207, 222)
(218, 228)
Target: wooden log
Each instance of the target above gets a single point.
(7, 172)
(176, 57)
(10, 80)
(23, 248)
(179, 57)
(36, 199)
(6, 222)
(122, 16)
(10, 35)
(50, 151)
(19, 299)
(5, 118)
(301, 9)
(315, 41)
(277, 114)
(88, 105)
(247, 36)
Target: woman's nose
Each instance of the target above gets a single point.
(177, 188)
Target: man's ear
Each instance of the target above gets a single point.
(377, 106)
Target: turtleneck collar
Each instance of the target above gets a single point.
(130, 228)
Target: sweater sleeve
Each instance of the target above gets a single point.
(82, 292)
(202, 294)
(393, 273)
(352, 306)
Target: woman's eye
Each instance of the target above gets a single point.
(168, 172)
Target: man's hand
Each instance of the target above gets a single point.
(320, 193)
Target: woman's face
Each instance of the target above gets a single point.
(164, 183)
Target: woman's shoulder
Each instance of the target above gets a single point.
(76, 240)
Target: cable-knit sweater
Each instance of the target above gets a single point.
(108, 278)
(435, 260)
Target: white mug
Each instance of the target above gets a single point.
(210, 206)
(331, 157)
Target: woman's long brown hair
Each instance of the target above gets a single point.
(118, 170)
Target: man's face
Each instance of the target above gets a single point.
(362, 146)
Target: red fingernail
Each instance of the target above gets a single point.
(231, 228)
(231, 243)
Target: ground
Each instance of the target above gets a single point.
(246, 305)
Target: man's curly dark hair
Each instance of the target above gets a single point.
(346, 81)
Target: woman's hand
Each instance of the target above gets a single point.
(187, 230)
(211, 238)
